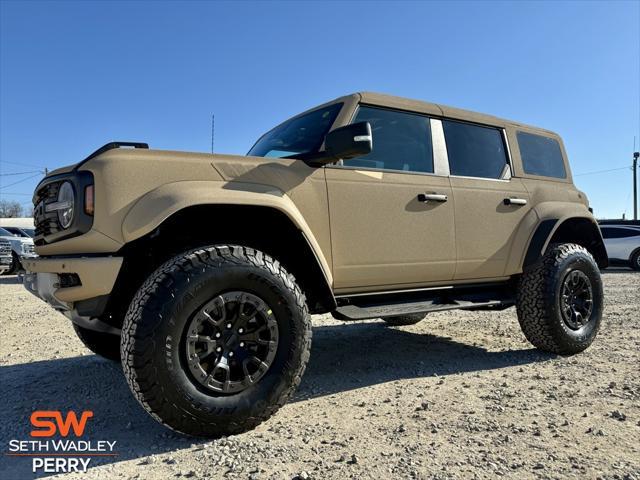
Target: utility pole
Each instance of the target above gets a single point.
(635, 185)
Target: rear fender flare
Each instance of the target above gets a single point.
(551, 216)
(548, 228)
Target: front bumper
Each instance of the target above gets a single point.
(96, 277)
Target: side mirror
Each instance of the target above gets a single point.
(349, 141)
(342, 143)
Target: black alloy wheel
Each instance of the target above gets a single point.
(576, 299)
(231, 342)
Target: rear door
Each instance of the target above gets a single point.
(391, 212)
(489, 203)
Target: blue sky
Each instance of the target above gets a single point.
(76, 75)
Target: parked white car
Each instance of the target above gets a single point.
(622, 242)
(22, 247)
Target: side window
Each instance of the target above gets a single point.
(541, 155)
(608, 232)
(401, 141)
(474, 150)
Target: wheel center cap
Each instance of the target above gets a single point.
(230, 340)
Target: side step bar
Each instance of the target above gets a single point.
(354, 312)
(485, 297)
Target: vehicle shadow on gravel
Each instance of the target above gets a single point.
(344, 357)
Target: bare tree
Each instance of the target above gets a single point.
(10, 209)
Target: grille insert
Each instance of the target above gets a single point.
(5, 248)
(45, 223)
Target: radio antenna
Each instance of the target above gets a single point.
(213, 123)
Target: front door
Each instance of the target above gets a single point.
(391, 212)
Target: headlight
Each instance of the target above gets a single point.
(65, 204)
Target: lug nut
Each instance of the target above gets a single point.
(218, 335)
(228, 325)
(219, 349)
(231, 354)
(240, 330)
(242, 344)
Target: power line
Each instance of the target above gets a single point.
(20, 181)
(20, 173)
(16, 193)
(603, 171)
(22, 164)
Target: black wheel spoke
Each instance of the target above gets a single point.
(254, 336)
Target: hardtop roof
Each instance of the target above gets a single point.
(392, 101)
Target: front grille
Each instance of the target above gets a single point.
(45, 223)
(5, 248)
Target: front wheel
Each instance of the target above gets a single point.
(560, 300)
(16, 265)
(216, 340)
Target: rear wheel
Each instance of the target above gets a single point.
(560, 300)
(403, 320)
(106, 345)
(216, 340)
(635, 260)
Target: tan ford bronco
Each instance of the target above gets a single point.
(199, 272)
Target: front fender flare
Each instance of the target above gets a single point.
(156, 206)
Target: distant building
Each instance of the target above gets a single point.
(24, 222)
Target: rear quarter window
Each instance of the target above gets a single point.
(541, 155)
(613, 232)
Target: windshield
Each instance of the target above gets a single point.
(31, 232)
(5, 233)
(302, 134)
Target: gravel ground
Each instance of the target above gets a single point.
(460, 395)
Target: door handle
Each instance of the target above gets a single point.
(434, 197)
(515, 201)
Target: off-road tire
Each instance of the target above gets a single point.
(538, 300)
(634, 261)
(154, 326)
(106, 345)
(15, 266)
(403, 320)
